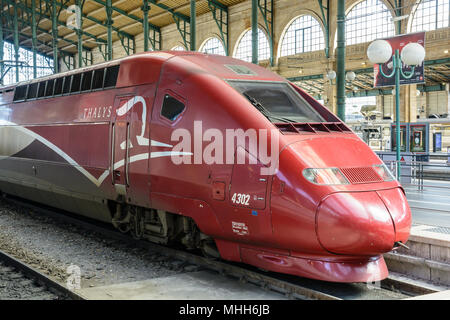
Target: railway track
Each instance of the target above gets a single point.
(20, 281)
(290, 286)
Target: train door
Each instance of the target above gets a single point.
(248, 196)
(120, 147)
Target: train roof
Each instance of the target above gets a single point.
(222, 66)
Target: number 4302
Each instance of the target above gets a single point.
(239, 198)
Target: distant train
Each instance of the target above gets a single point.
(106, 142)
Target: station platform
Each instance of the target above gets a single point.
(443, 295)
(428, 256)
(200, 285)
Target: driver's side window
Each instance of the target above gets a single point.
(172, 108)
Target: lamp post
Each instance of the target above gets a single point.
(350, 76)
(380, 52)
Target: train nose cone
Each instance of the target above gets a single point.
(355, 223)
(395, 201)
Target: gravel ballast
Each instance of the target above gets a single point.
(15, 286)
(52, 246)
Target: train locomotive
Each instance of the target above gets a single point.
(110, 142)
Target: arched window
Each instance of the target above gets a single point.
(368, 20)
(213, 46)
(303, 35)
(178, 48)
(244, 48)
(431, 15)
(44, 64)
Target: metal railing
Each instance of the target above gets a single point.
(427, 186)
(421, 173)
(421, 169)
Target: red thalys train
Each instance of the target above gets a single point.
(98, 141)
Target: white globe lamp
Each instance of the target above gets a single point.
(350, 76)
(331, 75)
(379, 52)
(413, 54)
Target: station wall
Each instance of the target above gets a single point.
(311, 63)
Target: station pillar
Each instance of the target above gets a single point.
(408, 103)
(255, 31)
(340, 59)
(109, 24)
(193, 26)
(34, 37)
(1, 54)
(145, 10)
(55, 36)
(330, 91)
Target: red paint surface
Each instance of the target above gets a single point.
(333, 233)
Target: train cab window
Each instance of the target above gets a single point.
(277, 101)
(97, 81)
(58, 86)
(49, 88)
(66, 87)
(76, 82)
(172, 108)
(86, 83)
(32, 90)
(41, 90)
(20, 93)
(111, 76)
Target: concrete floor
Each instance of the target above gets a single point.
(201, 285)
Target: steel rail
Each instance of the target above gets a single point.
(39, 277)
(410, 288)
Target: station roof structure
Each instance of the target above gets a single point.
(45, 25)
(437, 74)
(127, 19)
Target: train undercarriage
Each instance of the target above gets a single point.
(162, 227)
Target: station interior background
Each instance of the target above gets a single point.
(296, 39)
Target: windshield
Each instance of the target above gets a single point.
(278, 101)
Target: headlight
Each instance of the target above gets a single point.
(325, 176)
(384, 172)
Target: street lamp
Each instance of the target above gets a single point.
(380, 52)
(331, 75)
(350, 76)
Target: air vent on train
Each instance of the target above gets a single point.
(361, 175)
(325, 127)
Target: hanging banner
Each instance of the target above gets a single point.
(399, 42)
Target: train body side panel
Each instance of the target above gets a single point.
(57, 150)
(212, 108)
(60, 146)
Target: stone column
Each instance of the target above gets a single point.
(408, 103)
(330, 91)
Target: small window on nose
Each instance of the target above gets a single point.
(172, 108)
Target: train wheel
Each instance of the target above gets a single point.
(124, 228)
